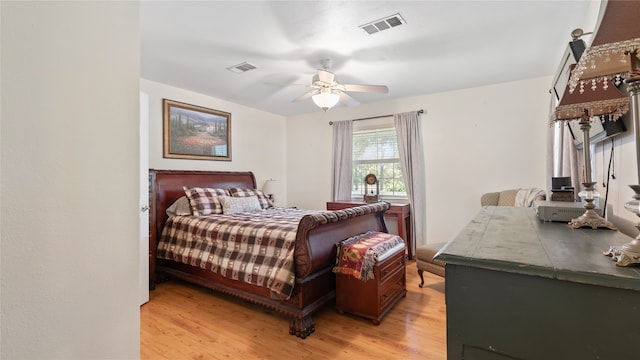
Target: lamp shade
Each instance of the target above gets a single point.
(326, 99)
(613, 54)
(604, 99)
(605, 62)
(612, 57)
(269, 187)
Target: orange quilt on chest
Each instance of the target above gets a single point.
(358, 255)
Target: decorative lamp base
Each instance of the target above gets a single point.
(628, 255)
(592, 219)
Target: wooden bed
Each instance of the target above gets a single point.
(314, 254)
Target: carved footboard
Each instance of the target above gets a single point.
(315, 254)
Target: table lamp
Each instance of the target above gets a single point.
(586, 106)
(268, 188)
(613, 56)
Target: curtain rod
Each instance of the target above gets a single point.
(376, 117)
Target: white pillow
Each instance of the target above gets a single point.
(231, 205)
(262, 198)
(179, 207)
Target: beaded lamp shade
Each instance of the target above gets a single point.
(611, 58)
(613, 54)
(601, 100)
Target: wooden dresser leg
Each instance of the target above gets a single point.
(302, 327)
(421, 285)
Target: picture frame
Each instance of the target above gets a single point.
(195, 132)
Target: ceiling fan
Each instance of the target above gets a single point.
(328, 91)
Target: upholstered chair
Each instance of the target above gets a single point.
(426, 262)
(513, 197)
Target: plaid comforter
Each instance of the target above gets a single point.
(254, 247)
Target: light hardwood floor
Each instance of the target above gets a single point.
(183, 321)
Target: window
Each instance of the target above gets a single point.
(375, 151)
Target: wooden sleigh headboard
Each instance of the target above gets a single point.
(166, 186)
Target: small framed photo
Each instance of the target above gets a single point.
(195, 132)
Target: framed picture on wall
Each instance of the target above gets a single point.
(195, 132)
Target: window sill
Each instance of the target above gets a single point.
(394, 200)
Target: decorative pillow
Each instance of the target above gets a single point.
(262, 198)
(205, 201)
(231, 205)
(179, 207)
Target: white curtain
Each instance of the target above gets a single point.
(571, 162)
(563, 159)
(412, 163)
(342, 155)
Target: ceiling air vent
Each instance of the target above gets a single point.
(242, 67)
(383, 24)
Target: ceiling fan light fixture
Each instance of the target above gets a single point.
(326, 100)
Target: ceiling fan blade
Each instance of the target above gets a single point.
(292, 85)
(326, 76)
(305, 96)
(366, 88)
(347, 100)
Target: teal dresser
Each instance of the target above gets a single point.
(519, 288)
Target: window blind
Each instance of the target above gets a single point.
(375, 151)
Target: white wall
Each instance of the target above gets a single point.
(69, 211)
(476, 140)
(0, 188)
(257, 138)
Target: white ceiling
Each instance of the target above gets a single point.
(445, 45)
